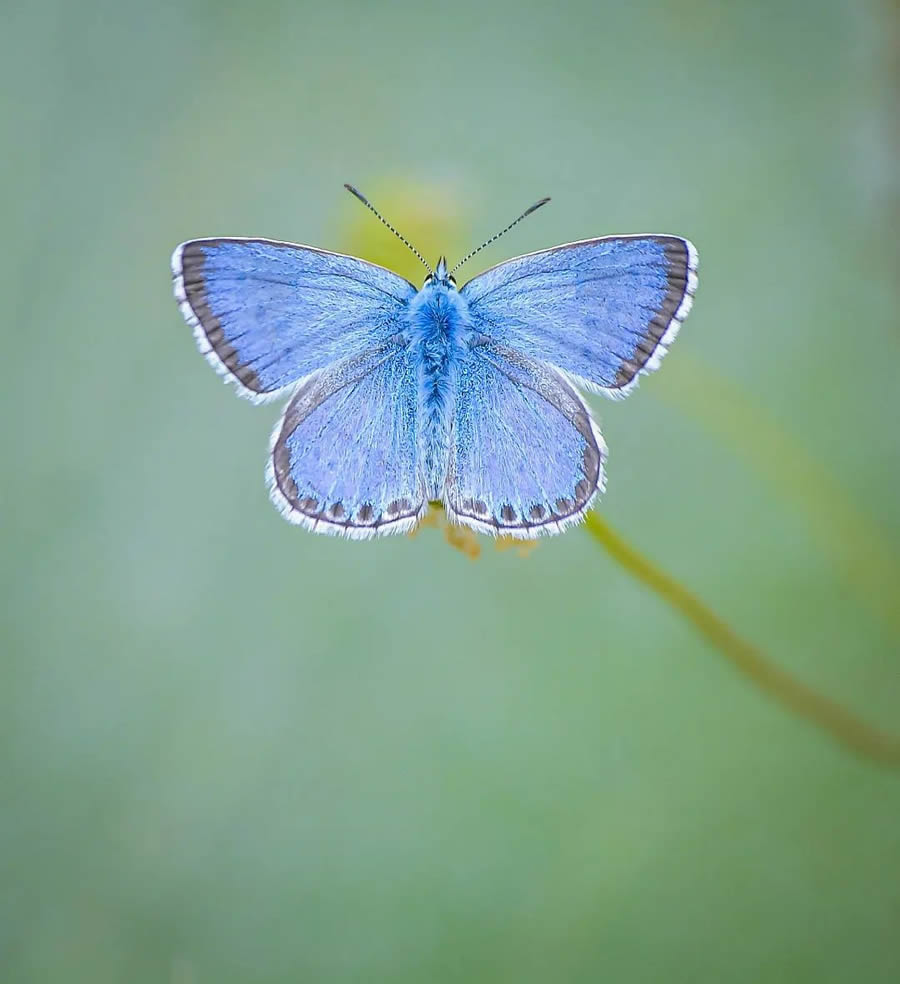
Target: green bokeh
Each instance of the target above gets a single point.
(231, 751)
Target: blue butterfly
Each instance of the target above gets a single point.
(400, 397)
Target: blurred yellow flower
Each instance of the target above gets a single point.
(466, 540)
(428, 214)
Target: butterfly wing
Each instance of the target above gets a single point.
(265, 314)
(343, 457)
(603, 310)
(525, 456)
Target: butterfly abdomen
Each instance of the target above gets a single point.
(440, 323)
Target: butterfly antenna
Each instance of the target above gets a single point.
(494, 239)
(381, 218)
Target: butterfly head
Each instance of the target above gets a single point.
(441, 276)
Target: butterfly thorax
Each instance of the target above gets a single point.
(439, 329)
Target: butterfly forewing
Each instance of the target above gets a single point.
(267, 313)
(603, 310)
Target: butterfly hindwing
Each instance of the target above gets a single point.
(525, 456)
(266, 313)
(343, 458)
(603, 310)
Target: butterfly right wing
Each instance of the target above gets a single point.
(343, 458)
(603, 310)
(266, 314)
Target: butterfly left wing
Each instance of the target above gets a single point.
(265, 313)
(343, 458)
(603, 310)
(525, 456)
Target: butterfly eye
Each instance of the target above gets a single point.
(452, 279)
(428, 279)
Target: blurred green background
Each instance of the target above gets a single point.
(231, 751)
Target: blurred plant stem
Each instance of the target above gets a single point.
(857, 547)
(795, 696)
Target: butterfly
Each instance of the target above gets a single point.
(399, 396)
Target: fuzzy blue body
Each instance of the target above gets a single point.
(439, 329)
(401, 396)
